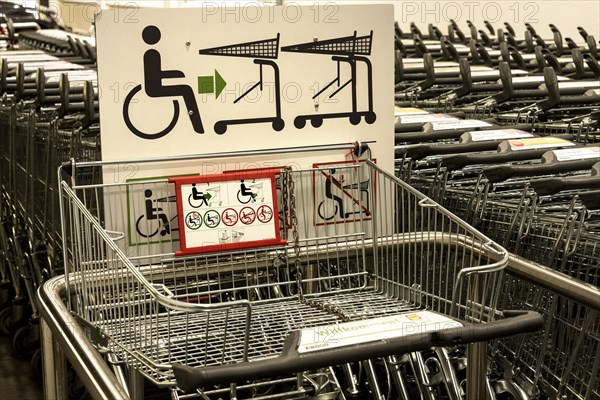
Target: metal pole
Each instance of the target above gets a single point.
(69, 340)
(555, 281)
(476, 352)
(54, 366)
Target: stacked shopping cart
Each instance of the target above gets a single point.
(495, 141)
(526, 175)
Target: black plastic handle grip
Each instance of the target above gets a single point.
(503, 172)
(290, 361)
(420, 136)
(425, 150)
(550, 186)
(457, 161)
(591, 199)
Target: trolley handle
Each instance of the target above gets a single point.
(550, 186)
(292, 361)
(591, 199)
(425, 150)
(503, 172)
(443, 134)
(458, 161)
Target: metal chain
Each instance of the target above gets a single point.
(295, 235)
(296, 238)
(284, 191)
(328, 308)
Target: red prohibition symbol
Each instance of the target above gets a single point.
(264, 214)
(247, 215)
(229, 217)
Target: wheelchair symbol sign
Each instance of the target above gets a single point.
(193, 220)
(264, 214)
(247, 215)
(228, 223)
(341, 194)
(230, 217)
(212, 218)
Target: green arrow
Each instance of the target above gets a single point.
(220, 83)
(206, 84)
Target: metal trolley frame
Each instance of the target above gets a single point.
(194, 322)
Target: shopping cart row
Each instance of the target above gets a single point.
(47, 116)
(184, 314)
(516, 155)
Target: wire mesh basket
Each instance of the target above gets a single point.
(346, 46)
(196, 321)
(267, 48)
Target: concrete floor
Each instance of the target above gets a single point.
(17, 381)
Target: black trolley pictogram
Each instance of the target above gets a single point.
(348, 49)
(263, 52)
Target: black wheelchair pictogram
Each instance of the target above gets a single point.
(154, 221)
(153, 86)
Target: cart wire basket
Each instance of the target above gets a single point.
(267, 48)
(392, 273)
(347, 46)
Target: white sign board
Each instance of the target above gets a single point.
(177, 82)
(228, 211)
(195, 81)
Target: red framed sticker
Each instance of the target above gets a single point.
(231, 211)
(341, 194)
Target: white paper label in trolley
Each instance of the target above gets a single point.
(457, 124)
(538, 143)
(496, 134)
(370, 330)
(424, 118)
(534, 79)
(404, 111)
(580, 153)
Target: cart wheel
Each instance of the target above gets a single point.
(36, 363)
(23, 345)
(370, 117)
(299, 122)
(7, 293)
(316, 122)
(220, 128)
(355, 119)
(278, 124)
(6, 324)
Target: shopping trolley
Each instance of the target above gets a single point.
(263, 52)
(347, 49)
(560, 361)
(197, 321)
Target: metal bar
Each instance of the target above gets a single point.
(92, 370)
(243, 153)
(51, 388)
(554, 281)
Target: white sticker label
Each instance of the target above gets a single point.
(538, 143)
(580, 153)
(582, 85)
(459, 124)
(370, 330)
(528, 79)
(497, 134)
(402, 111)
(421, 119)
